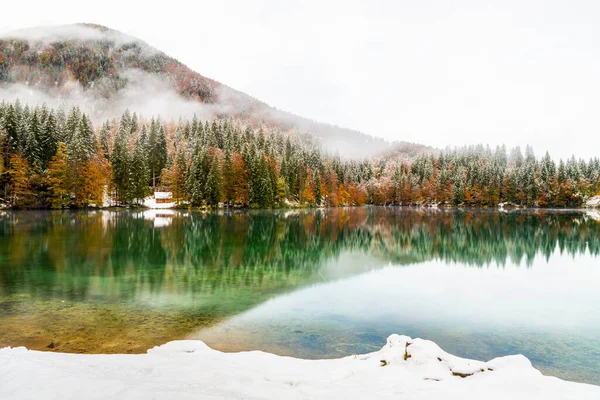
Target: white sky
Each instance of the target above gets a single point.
(433, 72)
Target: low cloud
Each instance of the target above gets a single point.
(152, 95)
(50, 34)
(146, 94)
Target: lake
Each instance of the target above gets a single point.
(307, 283)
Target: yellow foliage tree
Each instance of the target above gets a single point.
(91, 182)
(22, 195)
(58, 179)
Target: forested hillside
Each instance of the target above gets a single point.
(104, 72)
(56, 158)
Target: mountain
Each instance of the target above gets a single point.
(105, 72)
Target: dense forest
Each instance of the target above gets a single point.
(56, 159)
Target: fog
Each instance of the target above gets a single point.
(55, 33)
(145, 94)
(152, 95)
(434, 72)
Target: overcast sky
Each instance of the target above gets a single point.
(434, 72)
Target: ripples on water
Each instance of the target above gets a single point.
(313, 284)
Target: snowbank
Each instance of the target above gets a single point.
(403, 369)
(593, 214)
(593, 202)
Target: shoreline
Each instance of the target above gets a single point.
(286, 208)
(403, 368)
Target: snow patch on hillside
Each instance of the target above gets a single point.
(404, 368)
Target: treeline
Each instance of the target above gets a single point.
(56, 159)
(51, 158)
(480, 176)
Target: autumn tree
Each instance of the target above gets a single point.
(91, 182)
(22, 195)
(175, 177)
(58, 179)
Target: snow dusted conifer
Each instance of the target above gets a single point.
(120, 162)
(140, 173)
(213, 190)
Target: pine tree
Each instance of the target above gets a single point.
(9, 125)
(528, 177)
(71, 126)
(133, 124)
(263, 189)
(120, 162)
(196, 180)
(139, 173)
(83, 141)
(228, 179)
(157, 150)
(214, 183)
(105, 140)
(32, 133)
(48, 140)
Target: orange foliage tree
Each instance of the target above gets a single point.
(22, 195)
(58, 179)
(91, 181)
(241, 193)
(175, 176)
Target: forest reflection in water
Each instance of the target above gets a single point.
(124, 281)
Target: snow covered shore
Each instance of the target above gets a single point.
(404, 368)
(593, 202)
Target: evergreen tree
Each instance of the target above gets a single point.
(261, 186)
(48, 140)
(120, 162)
(32, 134)
(157, 150)
(139, 173)
(228, 179)
(214, 183)
(83, 141)
(105, 140)
(197, 177)
(10, 126)
(72, 124)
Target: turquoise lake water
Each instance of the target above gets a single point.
(311, 284)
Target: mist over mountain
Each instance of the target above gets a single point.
(105, 72)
